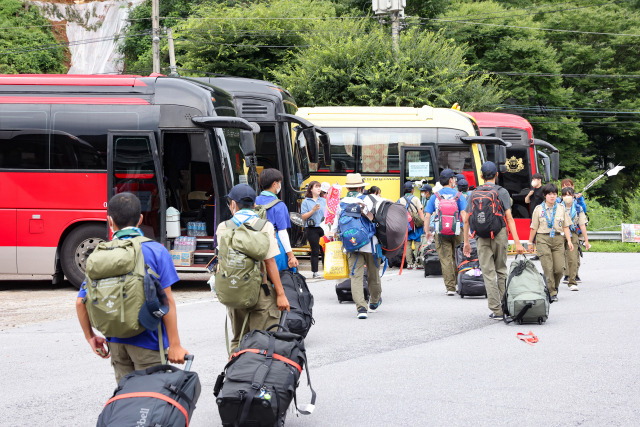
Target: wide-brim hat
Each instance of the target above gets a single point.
(156, 304)
(355, 180)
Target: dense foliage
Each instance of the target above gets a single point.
(27, 44)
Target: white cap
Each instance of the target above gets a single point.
(325, 186)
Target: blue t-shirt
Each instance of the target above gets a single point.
(446, 193)
(159, 260)
(278, 215)
(308, 204)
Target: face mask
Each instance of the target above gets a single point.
(533, 183)
(568, 199)
(279, 188)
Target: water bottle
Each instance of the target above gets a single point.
(190, 229)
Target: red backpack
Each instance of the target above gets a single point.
(447, 215)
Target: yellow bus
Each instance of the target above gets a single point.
(391, 145)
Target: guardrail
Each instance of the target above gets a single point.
(605, 235)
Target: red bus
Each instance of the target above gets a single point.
(69, 142)
(524, 158)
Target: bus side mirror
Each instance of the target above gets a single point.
(326, 147)
(555, 165)
(501, 156)
(247, 143)
(312, 143)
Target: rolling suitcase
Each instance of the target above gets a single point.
(300, 317)
(260, 380)
(161, 395)
(470, 279)
(431, 261)
(343, 290)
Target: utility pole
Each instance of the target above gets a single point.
(394, 8)
(172, 54)
(155, 20)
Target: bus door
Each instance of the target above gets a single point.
(133, 165)
(418, 164)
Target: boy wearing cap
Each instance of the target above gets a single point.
(492, 252)
(140, 351)
(446, 245)
(364, 256)
(413, 204)
(272, 299)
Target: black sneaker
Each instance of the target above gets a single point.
(565, 279)
(578, 280)
(496, 316)
(554, 298)
(362, 313)
(374, 307)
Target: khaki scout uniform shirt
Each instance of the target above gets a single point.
(274, 250)
(414, 201)
(539, 220)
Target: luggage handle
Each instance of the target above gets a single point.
(282, 324)
(188, 361)
(158, 368)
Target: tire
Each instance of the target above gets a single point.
(77, 246)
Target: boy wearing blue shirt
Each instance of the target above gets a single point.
(141, 351)
(446, 245)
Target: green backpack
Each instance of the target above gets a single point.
(526, 297)
(115, 287)
(261, 210)
(241, 252)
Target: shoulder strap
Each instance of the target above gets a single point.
(271, 204)
(258, 225)
(458, 194)
(230, 224)
(438, 196)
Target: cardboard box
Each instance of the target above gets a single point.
(182, 258)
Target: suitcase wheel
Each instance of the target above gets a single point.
(485, 295)
(539, 320)
(520, 322)
(461, 295)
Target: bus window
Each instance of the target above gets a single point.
(343, 151)
(418, 165)
(267, 148)
(26, 149)
(459, 159)
(379, 149)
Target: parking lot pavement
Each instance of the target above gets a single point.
(423, 359)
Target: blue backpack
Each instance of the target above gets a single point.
(355, 229)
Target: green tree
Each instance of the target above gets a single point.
(520, 55)
(247, 40)
(355, 65)
(27, 44)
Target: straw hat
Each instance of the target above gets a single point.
(354, 180)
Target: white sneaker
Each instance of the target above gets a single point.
(573, 287)
(450, 293)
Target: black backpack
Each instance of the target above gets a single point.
(486, 216)
(300, 316)
(391, 226)
(260, 380)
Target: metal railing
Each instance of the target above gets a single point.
(605, 235)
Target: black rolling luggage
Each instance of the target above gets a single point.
(300, 316)
(260, 380)
(162, 395)
(470, 279)
(431, 261)
(343, 290)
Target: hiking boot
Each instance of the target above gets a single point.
(573, 287)
(578, 280)
(496, 316)
(362, 313)
(566, 279)
(450, 293)
(554, 298)
(374, 307)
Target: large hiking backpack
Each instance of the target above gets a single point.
(413, 211)
(162, 395)
(300, 316)
(241, 250)
(486, 217)
(391, 228)
(447, 221)
(260, 380)
(281, 259)
(115, 273)
(526, 297)
(355, 229)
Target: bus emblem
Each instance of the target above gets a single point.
(514, 164)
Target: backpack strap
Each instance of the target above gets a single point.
(258, 379)
(272, 204)
(258, 225)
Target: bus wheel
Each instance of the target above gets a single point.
(77, 247)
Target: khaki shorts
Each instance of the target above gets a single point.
(126, 358)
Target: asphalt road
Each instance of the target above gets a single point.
(423, 359)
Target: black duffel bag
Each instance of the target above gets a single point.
(300, 316)
(163, 396)
(260, 380)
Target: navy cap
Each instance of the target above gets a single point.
(460, 176)
(156, 304)
(447, 173)
(489, 169)
(242, 193)
(463, 185)
(408, 185)
(426, 187)
(354, 210)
